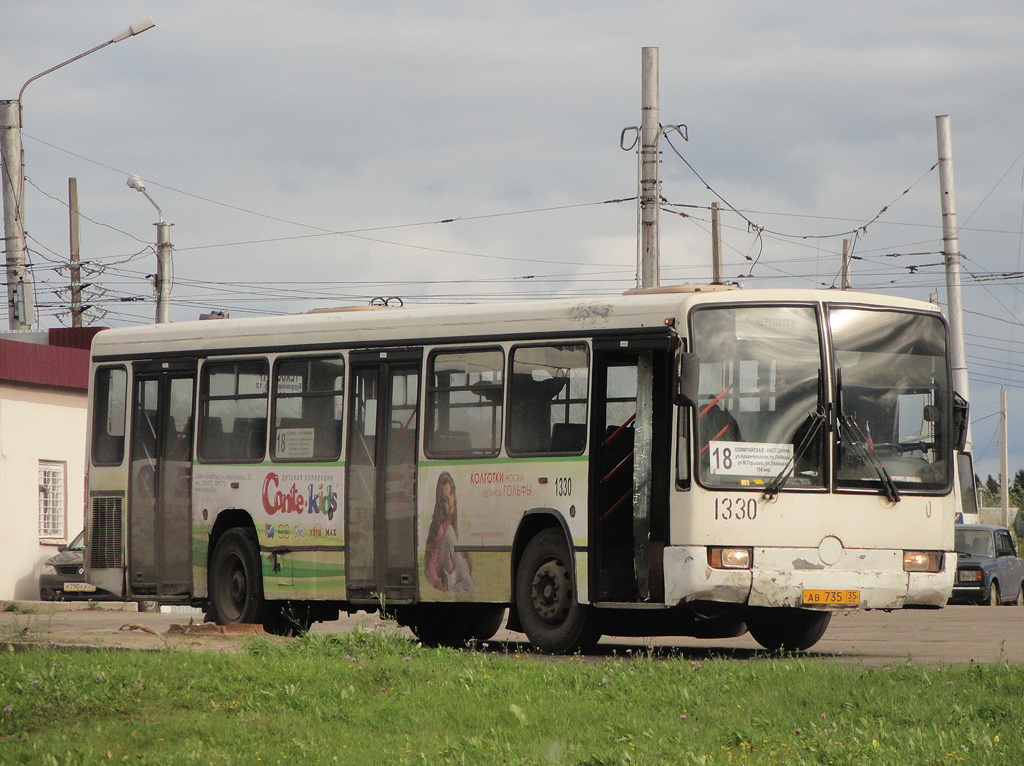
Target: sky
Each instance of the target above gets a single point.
(315, 154)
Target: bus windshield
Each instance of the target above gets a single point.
(759, 396)
(892, 396)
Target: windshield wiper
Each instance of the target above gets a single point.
(818, 419)
(851, 434)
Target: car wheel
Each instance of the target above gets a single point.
(1020, 596)
(993, 594)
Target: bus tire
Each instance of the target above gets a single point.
(552, 618)
(236, 579)
(437, 624)
(285, 618)
(484, 622)
(788, 629)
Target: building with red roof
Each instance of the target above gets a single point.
(44, 380)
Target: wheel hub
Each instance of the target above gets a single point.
(551, 592)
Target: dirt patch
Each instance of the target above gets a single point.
(24, 625)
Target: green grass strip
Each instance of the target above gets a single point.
(376, 697)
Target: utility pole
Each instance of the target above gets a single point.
(648, 246)
(20, 300)
(20, 294)
(951, 257)
(1004, 461)
(76, 269)
(716, 245)
(163, 272)
(163, 255)
(846, 264)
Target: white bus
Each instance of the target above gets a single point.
(690, 461)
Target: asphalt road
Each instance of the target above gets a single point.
(954, 635)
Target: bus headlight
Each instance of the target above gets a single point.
(730, 558)
(922, 561)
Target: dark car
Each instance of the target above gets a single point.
(988, 570)
(63, 576)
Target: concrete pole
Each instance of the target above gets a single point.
(1004, 461)
(716, 245)
(846, 264)
(20, 297)
(951, 257)
(163, 272)
(76, 269)
(650, 132)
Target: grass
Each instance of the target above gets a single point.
(371, 697)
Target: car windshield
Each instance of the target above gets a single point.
(974, 542)
(78, 544)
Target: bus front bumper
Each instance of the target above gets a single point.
(780, 577)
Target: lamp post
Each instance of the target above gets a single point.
(20, 299)
(163, 255)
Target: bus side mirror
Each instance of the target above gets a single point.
(687, 379)
(961, 411)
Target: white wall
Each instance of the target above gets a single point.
(36, 424)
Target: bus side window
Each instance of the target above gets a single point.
(548, 399)
(465, 393)
(109, 396)
(235, 394)
(308, 409)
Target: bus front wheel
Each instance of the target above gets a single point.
(788, 629)
(552, 618)
(236, 579)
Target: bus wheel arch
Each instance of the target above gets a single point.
(534, 521)
(227, 519)
(546, 601)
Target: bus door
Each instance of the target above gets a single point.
(160, 486)
(626, 542)
(380, 506)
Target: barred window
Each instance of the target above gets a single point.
(52, 505)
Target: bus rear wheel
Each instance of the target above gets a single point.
(788, 629)
(552, 618)
(236, 579)
(484, 622)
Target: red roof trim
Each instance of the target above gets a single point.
(40, 365)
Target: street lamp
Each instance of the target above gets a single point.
(20, 299)
(163, 255)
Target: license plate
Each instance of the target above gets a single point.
(79, 587)
(832, 597)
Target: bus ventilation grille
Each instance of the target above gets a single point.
(105, 545)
